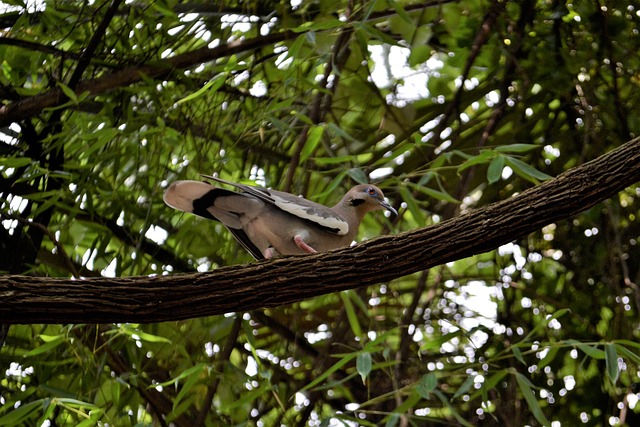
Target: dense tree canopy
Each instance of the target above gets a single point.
(447, 106)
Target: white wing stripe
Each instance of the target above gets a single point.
(328, 218)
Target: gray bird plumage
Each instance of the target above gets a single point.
(268, 222)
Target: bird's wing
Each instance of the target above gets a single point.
(217, 204)
(302, 208)
(258, 192)
(246, 242)
(307, 210)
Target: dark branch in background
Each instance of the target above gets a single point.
(127, 236)
(321, 103)
(87, 54)
(160, 404)
(287, 280)
(34, 105)
(487, 27)
(29, 45)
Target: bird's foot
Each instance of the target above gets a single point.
(270, 253)
(299, 241)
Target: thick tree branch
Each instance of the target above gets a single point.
(286, 280)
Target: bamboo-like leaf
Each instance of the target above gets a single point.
(426, 385)
(526, 388)
(412, 206)
(194, 370)
(363, 365)
(611, 362)
(17, 416)
(352, 316)
(494, 171)
(339, 364)
(314, 137)
(144, 336)
(435, 343)
(438, 195)
(526, 171)
(211, 86)
(516, 148)
(485, 156)
(625, 352)
(465, 387)
(69, 93)
(518, 354)
(48, 346)
(589, 350)
(548, 358)
(392, 420)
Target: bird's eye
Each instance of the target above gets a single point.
(371, 191)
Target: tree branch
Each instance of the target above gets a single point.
(287, 280)
(34, 105)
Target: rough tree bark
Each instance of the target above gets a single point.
(286, 280)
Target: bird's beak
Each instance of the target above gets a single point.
(388, 207)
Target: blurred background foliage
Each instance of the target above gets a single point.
(447, 105)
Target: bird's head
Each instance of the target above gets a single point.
(367, 198)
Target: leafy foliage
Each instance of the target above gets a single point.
(450, 105)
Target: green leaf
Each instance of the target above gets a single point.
(494, 172)
(46, 347)
(294, 49)
(210, 87)
(518, 354)
(412, 206)
(363, 365)
(611, 362)
(195, 377)
(526, 171)
(490, 383)
(548, 358)
(94, 415)
(484, 157)
(433, 345)
(465, 387)
(374, 33)
(419, 54)
(400, 11)
(248, 397)
(69, 93)
(427, 384)
(15, 162)
(589, 350)
(325, 161)
(339, 364)
(314, 136)
(392, 420)
(625, 352)
(358, 175)
(455, 413)
(352, 316)
(526, 388)
(144, 336)
(17, 416)
(516, 148)
(319, 26)
(194, 370)
(438, 195)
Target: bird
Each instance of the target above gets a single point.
(270, 223)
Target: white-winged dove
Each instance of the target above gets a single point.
(268, 222)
